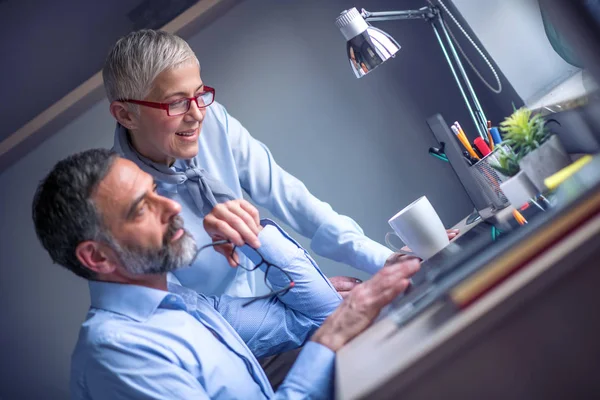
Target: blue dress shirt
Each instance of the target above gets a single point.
(229, 153)
(142, 343)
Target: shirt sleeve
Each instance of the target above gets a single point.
(131, 370)
(311, 377)
(332, 235)
(287, 321)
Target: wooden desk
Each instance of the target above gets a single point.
(536, 335)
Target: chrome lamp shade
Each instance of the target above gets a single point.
(366, 45)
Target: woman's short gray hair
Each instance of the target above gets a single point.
(138, 58)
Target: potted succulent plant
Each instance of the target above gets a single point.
(540, 153)
(507, 162)
(518, 189)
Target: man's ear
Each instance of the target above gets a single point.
(123, 115)
(95, 256)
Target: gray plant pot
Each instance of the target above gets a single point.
(518, 189)
(546, 160)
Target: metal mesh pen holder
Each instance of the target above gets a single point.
(489, 179)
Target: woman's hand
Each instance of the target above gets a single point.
(237, 221)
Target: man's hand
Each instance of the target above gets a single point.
(237, 221)
(452, 233)
(344, 284)
(365, 301)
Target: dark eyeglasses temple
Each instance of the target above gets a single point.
(266, 296)
(213, 244)
(269, 295)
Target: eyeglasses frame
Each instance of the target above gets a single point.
(279, 292)
(165, 106)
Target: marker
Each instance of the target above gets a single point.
(482, 146)
(495, 135)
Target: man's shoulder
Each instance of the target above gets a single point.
(96, 336)
(105, 329)
(109, 343)
(102, 328)
(105, 335)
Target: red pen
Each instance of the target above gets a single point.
(482, 146)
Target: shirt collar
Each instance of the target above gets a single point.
(133, 301)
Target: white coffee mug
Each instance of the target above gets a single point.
(420, 228)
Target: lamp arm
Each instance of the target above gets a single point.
(433, 15)
(422, 13)
(475, 110)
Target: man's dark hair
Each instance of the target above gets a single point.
(63, 212)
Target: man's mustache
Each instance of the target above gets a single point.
(175, 225)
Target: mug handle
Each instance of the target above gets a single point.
(397, 250)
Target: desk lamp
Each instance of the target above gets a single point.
(368, 47)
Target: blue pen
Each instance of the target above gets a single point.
(495, 135)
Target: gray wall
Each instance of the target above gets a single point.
(360, 145)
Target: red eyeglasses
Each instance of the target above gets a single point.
(180, 106)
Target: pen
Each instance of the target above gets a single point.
(489, 135)
(460, 129)
(471, 159)
(438, 156)
(462, 138)
(439, 152)
(519, 217)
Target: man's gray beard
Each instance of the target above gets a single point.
(169, 257)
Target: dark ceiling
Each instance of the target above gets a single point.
(48, 48)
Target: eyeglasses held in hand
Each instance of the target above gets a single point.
(268, 268)
(181, 105)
